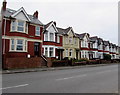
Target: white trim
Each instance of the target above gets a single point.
(15, 45)
(21, 9)
(53, 26)
(28, 39)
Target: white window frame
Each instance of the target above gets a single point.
(37, 31)
(58, 39)
(70, 40)
(46, 36)
(25, 42)
(75, 41)
(66, 40)
(52, 51)
(46, 51)
(25, 25)
(52, 37)
(66, 52)
(70, 52)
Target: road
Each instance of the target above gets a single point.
(102, 79)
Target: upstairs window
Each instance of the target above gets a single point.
(19, 26)
(37, 31)
(66, 40)
(13, 25)
(58, 39)
(70, 40)
(51, 37)
(46, 36)
(75, 41)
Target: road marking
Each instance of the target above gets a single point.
(103, 72)
(13, 86)
(71, 77)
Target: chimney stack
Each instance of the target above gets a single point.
(4, 5)
(35, 14)
(54, 23)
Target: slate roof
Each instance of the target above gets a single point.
(47, 25)
(34, 20)
(63, 31)
(93, 39)
(100, 40)
(106, 43)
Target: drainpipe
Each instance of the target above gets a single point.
(4, 36)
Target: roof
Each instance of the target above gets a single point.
(10, 12)
(106, 43)
(63, 31)
(81, 36)
(100, 40)
(47, 25)
(93, 39)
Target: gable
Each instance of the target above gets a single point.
(21, 16)
(51, 29)
(71, 33)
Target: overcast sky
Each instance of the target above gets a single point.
(96, 17)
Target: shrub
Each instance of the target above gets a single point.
(107, 57)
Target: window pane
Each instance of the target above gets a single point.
(46, 52)
(37, 32)
(20, 29)
(19, 41)
(37, 28)
(20, 23)
(19, 47)
(51, 52)
(13, 25)
(12, 47)
(51, 36)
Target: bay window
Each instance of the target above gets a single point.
(19, 26)
(46, 36)
(46, 51)
(70, 53)
(58, 39)
(51, 51)
(70, 40)
(66, 52)
(18, 45)
(51, 37)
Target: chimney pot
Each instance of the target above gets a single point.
(4, 5)
(35, 14)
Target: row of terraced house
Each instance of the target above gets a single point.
(25, 39)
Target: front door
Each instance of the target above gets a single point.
(36, 48)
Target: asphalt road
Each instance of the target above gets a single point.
(102, 79)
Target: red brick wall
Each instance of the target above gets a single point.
(14, 63)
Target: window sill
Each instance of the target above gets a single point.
(37, 35)
(18, 32)
(16, 51)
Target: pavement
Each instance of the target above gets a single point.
(12, 71)
(92, 79)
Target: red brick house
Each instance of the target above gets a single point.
(21, 38)
(52, 41)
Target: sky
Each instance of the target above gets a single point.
(96, 17)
